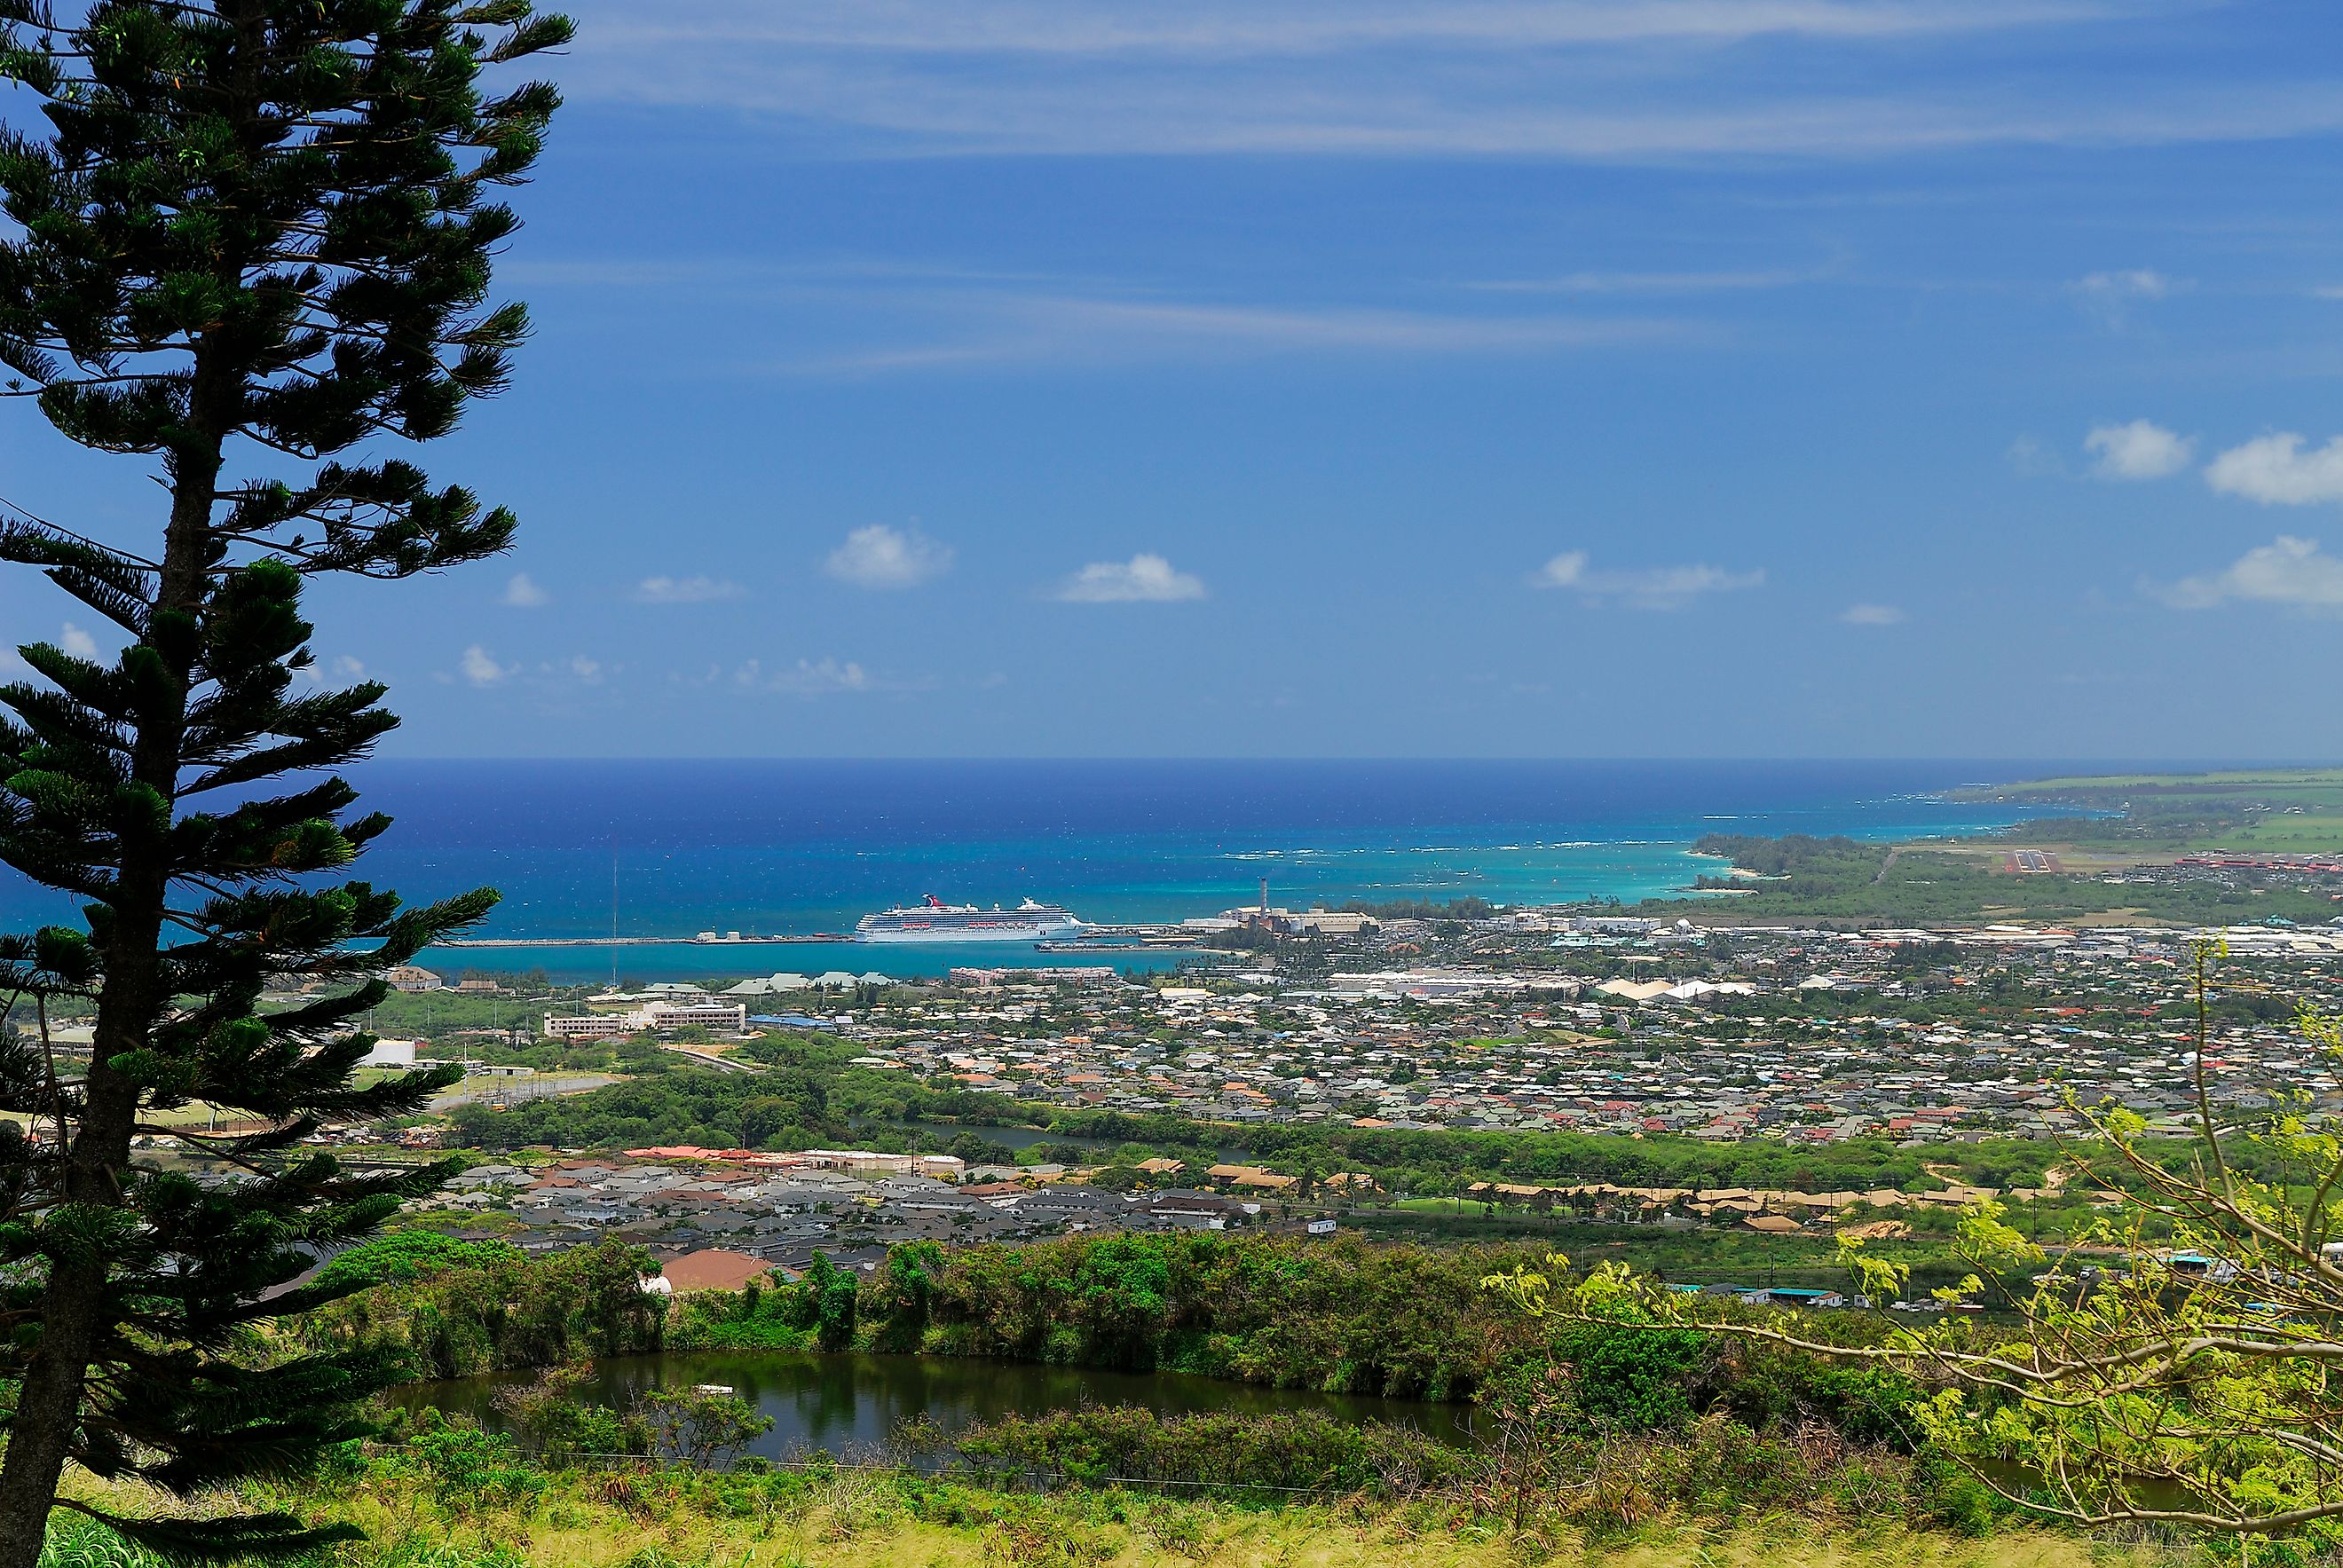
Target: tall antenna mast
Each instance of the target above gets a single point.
(614, 912)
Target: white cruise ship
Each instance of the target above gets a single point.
(937, 921)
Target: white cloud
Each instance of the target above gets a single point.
(1873, 615)
(687, 590)
(585, 670)
(348, 668)
(523, 593)
(1651, 588)
(2274, 469)
(77, 642)
(2286, 571)
(1144, 578)
(2139, 450)
(480, 668)
(879, 556)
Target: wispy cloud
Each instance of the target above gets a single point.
(1602, 80)
(687, 590)
(2138, 450)
(1634, 283)
(2275, 470)
(1873, 615)
(2111, 297)
(1217, 30)
(2033, 459)
(879, 556)
(991, 328)
(824, 677)
(74, 640)
(2286, 571)
(1649, 588)
(522, 592)
(1141, 579)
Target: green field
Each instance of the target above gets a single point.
(2278, 809)
(1947, 884)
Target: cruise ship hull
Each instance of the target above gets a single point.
(1017, 931)
(938, 922)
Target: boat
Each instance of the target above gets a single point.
(933, 920)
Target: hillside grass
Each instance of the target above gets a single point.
(854, 1519)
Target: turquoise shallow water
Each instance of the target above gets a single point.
(771, 847)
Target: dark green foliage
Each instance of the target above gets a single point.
(1870, 1404)
(1356, 1318)
(258, 231)
(551, 1416)
(908, 1284)
(556, 1420)
(501, 1309)
(698, 1426)
(1343, 1317)
(470, 1469)
(789, 1109)
(400, 1256)
(1630, 1379)
(823, 1300)
(1304, 1449)
(1463, 908)
(754, 1318)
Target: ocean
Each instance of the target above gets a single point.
(789, 848)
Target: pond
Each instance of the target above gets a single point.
(852, 1402)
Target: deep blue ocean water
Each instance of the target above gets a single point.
(796, 847)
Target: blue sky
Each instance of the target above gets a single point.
(1863, 377)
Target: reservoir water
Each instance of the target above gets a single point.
(850, 1402)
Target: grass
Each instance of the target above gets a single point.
(1040, 1537)
(852, 1519)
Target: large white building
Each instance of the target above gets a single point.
(727, 1016)
(397, 1053)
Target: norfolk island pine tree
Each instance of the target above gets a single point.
(257, 232)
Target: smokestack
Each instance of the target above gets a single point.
(1264, 895)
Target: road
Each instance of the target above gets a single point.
(709, 1059)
